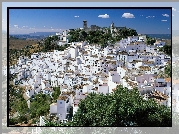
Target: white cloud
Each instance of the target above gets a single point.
(166, 15)
(163, 20)
(76, 16)
(173, 15)
(128, 15)
(173, 9)
(24, 26)
(16, 26)
(104, 16)
(150, 16)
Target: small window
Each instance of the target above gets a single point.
(60, 102)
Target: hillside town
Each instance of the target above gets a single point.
(83, 68)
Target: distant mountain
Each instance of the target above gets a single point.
(42, 33)
(160, 36)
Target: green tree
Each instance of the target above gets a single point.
(167, 70)
(39, 106)
(56, 93)
(166, 49)
(150, 41)
(74, 36)
(13, 121)
(18, 104)
(161, 74)
(122, 108)
(83, 35)
(132, 32)
(22, 107)
(101, 37)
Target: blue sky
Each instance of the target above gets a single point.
(150, 21)
(34, 21)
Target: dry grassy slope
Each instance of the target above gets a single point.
(19, 44)
(168, 42)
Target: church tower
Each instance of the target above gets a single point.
(85, 25)
(112, 27)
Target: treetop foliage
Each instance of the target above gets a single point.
(122, 108)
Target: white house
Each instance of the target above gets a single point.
(142, 38)
(48, 90)
(30, 91)
(75, 105)
(53, 108)
(45, 84)
(114, 80)
(159, 44)
(104, 89)
(121, 71)
(87, 88)
(62, 105)
(133, 38)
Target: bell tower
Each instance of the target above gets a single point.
(112, 27)
(84, 24)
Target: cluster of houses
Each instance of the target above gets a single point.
(83, 68)
(63, 38)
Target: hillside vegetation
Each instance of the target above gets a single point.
(19, 43)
